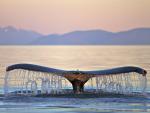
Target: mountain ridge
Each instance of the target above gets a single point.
(137, 36)
(12, 36)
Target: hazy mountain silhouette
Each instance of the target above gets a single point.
(12, 36)
(140, 36)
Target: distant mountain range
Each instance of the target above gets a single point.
(13, 36)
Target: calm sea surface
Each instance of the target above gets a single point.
(75, 58)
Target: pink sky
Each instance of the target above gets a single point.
(60, 16)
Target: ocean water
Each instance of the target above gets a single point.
(75, 58)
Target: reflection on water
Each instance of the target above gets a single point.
(73, 58)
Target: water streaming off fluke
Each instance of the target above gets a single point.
(29, 79)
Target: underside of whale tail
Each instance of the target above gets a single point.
(29, 79)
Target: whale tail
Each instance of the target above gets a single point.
(29, 79)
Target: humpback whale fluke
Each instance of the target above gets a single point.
(34, 79)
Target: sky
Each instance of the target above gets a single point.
(61, 16)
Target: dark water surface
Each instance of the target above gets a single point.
(73, 105)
